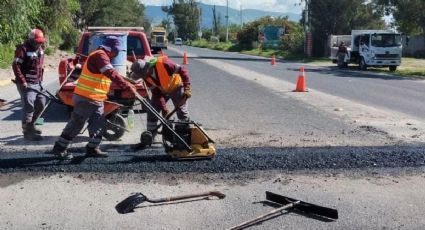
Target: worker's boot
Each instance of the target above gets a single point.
(61, 152)
(95, 152)
(30, 133)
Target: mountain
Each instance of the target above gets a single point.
(156, 15)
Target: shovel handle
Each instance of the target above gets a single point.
(184, 197)
(258, 218)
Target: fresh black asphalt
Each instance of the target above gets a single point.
(233, 160)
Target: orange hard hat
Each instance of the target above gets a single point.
(37, 35)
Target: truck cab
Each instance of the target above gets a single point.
(158, 39)
(377, 48)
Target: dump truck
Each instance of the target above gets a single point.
(158, 39)
(375, 48)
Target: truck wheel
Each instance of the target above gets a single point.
(393, 68)
(114, 127)
(362, 65)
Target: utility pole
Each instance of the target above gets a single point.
(227, 20)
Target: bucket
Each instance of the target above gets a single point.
(119, 62)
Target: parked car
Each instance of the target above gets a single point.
(178, 41)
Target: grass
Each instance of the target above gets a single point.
(7, 53)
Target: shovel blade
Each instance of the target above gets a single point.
(129, 204)
(303, 206)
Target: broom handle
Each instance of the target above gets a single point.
(175, 198)
(249, 222)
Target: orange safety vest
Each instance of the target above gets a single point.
(91, 85)
(167, 83)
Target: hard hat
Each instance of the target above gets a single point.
(112, 44)
(37, 35)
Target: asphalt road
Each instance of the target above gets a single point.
(265, 139)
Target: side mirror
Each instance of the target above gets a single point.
(407, 40)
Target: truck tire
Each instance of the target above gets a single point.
(392, 68)
(362, 65)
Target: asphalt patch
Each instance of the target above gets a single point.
(231, 160)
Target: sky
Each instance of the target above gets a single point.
(283, 6)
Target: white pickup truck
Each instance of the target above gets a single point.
(380, 48)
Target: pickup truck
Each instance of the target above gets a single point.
(137, 47)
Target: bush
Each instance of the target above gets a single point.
(69, 39)
(7, 53)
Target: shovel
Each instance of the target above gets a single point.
(287, 204)
(130, 203)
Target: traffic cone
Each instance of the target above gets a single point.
(273, 60)
(163, 53)
(301, 82)
(185, 62)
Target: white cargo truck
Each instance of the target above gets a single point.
(378, 48)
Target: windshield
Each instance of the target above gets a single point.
(158, 33)
(386, 40)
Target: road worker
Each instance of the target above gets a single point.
(167, 80)
(89, 96)
(342, 55)
(28, 69)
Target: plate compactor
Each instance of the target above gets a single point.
(181, 139)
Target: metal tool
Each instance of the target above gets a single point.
(130, 203)
(287, 204)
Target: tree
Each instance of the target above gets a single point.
(186, 16)
(111, 13)
(408, 14)
(340, 17)
(17, 17)
(250, 31)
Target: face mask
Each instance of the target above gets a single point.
(34, 44)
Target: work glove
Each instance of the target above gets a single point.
(165, 112)
(187, 91)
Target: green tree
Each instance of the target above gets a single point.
(250, 31)
(111, 13)
(328, 17)
(408, 14)
(17, 17)
(185, 15)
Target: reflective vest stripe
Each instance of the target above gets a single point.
(91, 89)
(91, 85)
(95, 79)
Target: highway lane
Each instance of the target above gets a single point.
(378, 90)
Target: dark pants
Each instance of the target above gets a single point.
(32, 103)
(85, 110)
(176, 97)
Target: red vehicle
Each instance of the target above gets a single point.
(137, 47)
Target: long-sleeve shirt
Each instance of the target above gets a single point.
(101, 63)
(28, 64)
(171, 68)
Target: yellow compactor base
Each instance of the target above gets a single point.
(201, 147)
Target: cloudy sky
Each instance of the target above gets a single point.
(266, 5)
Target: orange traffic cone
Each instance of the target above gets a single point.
(301, 82)
(163, 53)
(185, 62)
(273, 60)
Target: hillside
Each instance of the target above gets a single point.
(155, 14)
